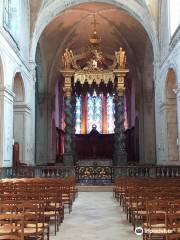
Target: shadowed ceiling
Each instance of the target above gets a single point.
(73, 27)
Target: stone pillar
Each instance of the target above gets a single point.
(178, 123)
(42, 128)
(120, 155)
(68, 118)
(21, 121)
(50, 109)
(6, 127)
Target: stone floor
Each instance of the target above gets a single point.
(95, 215)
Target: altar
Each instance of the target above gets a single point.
(94, 147)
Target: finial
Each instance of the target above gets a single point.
(94, 23)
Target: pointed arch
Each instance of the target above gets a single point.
(18, 88)
(19, 122)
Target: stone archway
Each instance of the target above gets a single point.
(19, 121)
(171, 118)
(67, 31)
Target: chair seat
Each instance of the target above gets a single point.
(5, 230)
(158, 231)
(140, 212)
(33, 225)
(58, 205)
(33, 230)
(50, 213)
(158, 225)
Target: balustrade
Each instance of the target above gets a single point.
(90, 174)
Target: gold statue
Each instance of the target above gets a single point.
(98, 55)
(121, 58)
(67, 58)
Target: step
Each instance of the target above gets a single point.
(91, 188)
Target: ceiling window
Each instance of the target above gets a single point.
(12, 18)
(174, 15)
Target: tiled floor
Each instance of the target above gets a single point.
(95, 215)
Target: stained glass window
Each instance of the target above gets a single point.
(78, 114)
(94, 112)
(110, 114)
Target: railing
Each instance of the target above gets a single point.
(90, 174)
(94, 175)
(37, 171)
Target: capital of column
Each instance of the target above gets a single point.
(33, 66)
(120, 74)
(67, 74)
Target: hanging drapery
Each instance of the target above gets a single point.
(84, 114)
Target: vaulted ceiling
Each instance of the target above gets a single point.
(73, 27)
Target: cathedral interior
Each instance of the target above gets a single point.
(89, 113)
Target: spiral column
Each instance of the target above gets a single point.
(120, 155)
(68, 119)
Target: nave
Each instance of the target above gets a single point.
(96, 215)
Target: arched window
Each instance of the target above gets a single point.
(174, 14)
(12, 18)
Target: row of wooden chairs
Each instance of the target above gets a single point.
(38, 202)
(144, 198)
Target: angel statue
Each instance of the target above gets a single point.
(67, 58)
(121, 58)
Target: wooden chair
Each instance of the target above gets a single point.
(173, 220)
(11, 226)
(155, 227)
(53, 210)
(34, 224)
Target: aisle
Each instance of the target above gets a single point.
(95, 215)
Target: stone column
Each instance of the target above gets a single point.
(120, 155)
(22, 113)
(178, 122)
(6, 126)
(68, 118)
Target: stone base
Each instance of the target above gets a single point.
(68, 159)
(95, 162)
(120, 159)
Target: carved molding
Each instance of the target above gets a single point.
(90, 77)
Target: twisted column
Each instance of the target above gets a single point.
(68, 124)
(68, 119)
(120, 155)
(73, 102)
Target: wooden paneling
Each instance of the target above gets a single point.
(94, 145)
